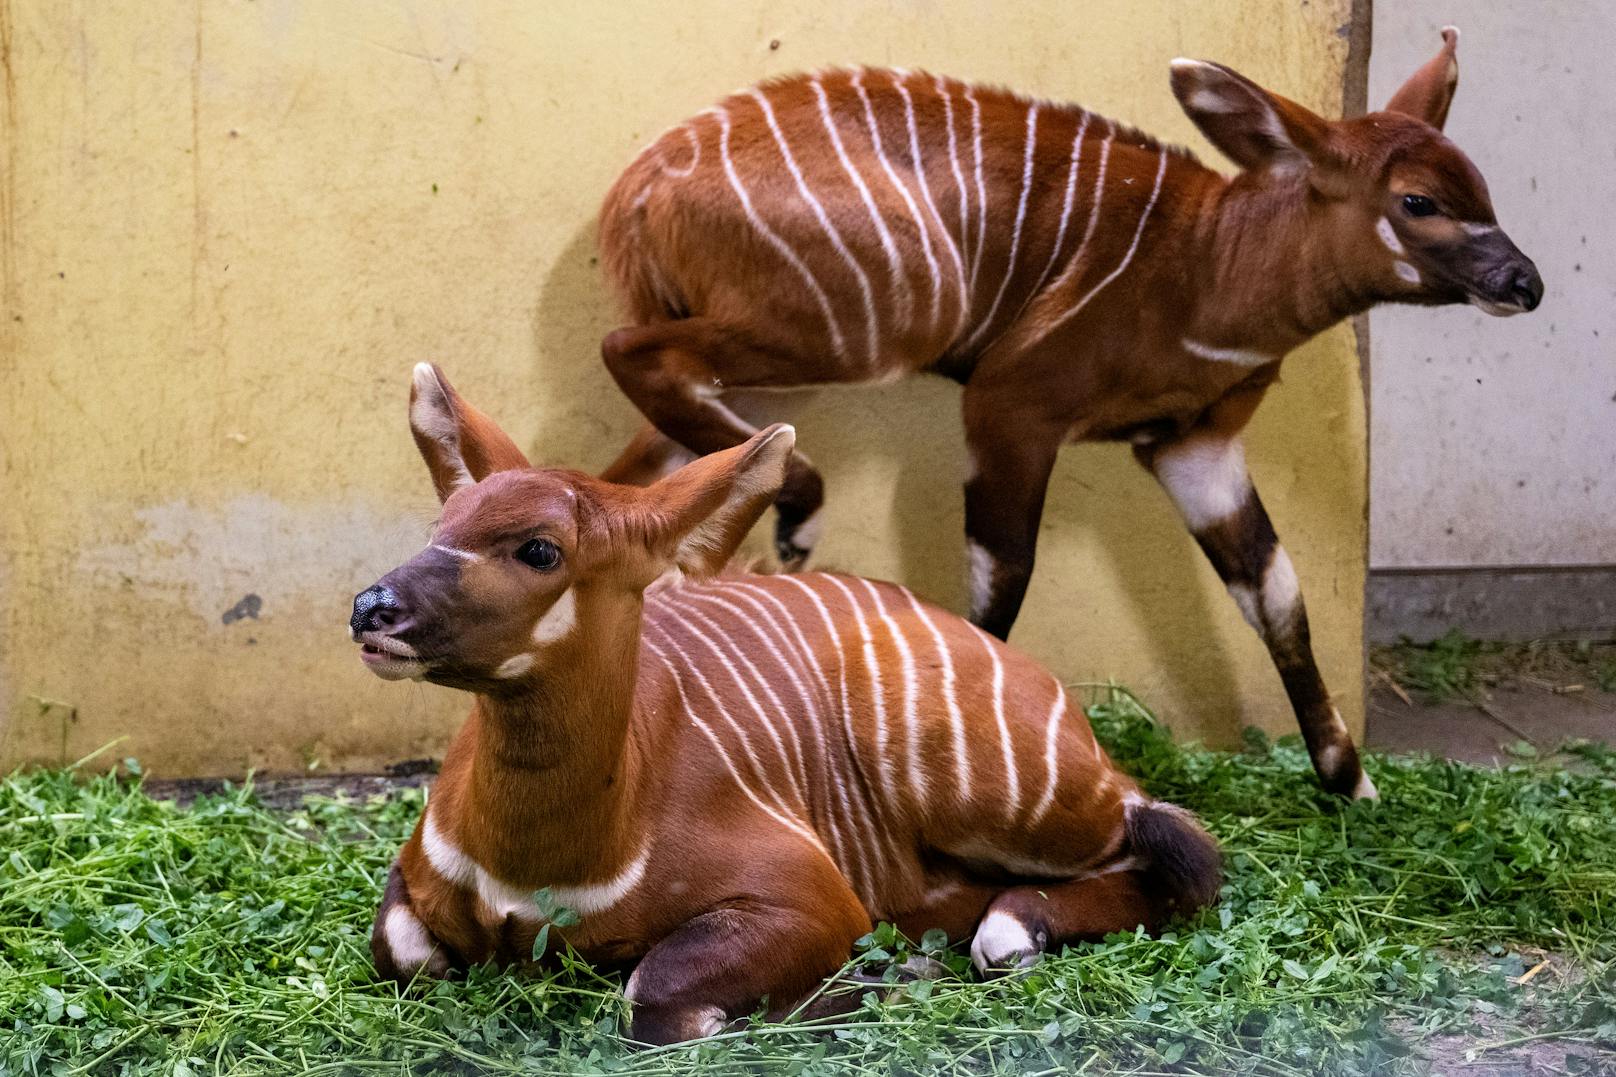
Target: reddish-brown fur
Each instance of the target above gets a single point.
(1083, 281)
(733, 776)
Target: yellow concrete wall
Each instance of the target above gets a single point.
(230, 228)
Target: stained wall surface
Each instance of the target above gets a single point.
(229, 230)
(1493, 439)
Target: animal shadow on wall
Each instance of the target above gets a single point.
(912, 432)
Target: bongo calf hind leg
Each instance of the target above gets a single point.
(676, 372)
(1025, 921)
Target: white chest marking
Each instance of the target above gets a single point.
(1237, 356)
(502, 898)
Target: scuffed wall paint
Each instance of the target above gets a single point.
(237, 228)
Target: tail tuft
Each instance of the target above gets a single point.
(1178, 851)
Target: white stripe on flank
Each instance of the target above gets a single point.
(877, 694)
(795, 773)
(1237, 356)
(871, 329)
(925, 192)
(1051, 756)
(981, 187)
(903, 192)
(695, 155)
(1133, 248)
(723, 712)
(810, 706)
(1075, 264)
(868, 806)
(911, 717)
(757, 674)
(502, 898)
(772, 238)
(1021, 217)
(718, 746)
(956, 720)
(1066, 206)
(903, 297)
(1012, 777)
(455, 551)
(964, 192)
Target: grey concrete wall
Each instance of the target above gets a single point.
(1494, 441)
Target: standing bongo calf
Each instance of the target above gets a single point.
(728, 778)
(1082, 280)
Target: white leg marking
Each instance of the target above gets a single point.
(514, 666)
(872, 330)
(918, 786)
(925, 193)
(1365, 789)
(1406, 272)
(1002, 942)
(956, 720)
(810, 530)
(903, 192)
(1012, 777)
(1246, 599)
(1388, 236)
(1206, 479)
(793, 825)
(981, 565)
(1015, 235)
(710, 1021)
(1133, 247)
(903, 298)
(453, 551)
(412, 945)
(1236, 356)
(1281, 593)
(559, 620)
(773, 238)
(1051, 756)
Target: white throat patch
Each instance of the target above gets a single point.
(503, 899)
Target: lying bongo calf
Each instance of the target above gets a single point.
(728, 777)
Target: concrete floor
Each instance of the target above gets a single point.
(1480, 733)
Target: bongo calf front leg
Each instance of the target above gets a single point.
(1205, 475)
(723, 964)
